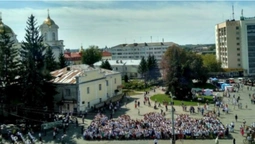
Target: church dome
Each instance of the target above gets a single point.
(49, 21)
(5, 28)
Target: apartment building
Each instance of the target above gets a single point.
(136, 51)
(228, 44)
(235, 44)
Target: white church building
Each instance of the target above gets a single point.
(49, 30)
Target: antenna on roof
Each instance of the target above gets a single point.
(233, 13)
(151, 39)
(162, 39)
(242, 12)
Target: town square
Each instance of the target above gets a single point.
(110, 72)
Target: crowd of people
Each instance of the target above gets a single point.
(154, 125)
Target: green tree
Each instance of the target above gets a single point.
(142, 68)
(211, 63)
(180, 67)
(91, 55)
(62, 61)
(37, 90)
(50, 62)
(126, 78)
(9, 68)
(152, 67)
(102, 64)
(108, 65)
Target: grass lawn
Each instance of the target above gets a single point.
(166, 98)
(131, 93)
(205, 86)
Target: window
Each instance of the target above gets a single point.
(100, 100)
(237, 27)
(238, 59)
(68, 92)
(115, 80)
(87, 90)
(239, 64)
(68, 107)
(53, 36)
(237, 38)
(88, 104)
(238, 54)
(100, 87)
(116, 68)
(107, 83)
(238, 49)
(237, 44)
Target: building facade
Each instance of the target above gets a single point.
(248, 44)
(228, 44)
(235, 43)
(138, 50)
(125, 67)
(81, 87)
(73, 58)
(106, 55)
(49, 31)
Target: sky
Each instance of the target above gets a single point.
(109, 23)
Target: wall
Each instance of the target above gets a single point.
(62, 93)
(89, 93)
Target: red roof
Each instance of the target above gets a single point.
(106, 53)
(72, 56)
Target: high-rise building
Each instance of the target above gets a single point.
(235, 44)
(49, 30)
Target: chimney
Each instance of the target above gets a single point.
(68, 68)
(117, 61)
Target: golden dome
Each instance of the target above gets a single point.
(4, 28)
(49, 21)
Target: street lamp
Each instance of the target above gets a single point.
(173, 133)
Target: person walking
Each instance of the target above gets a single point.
(217, 140)
(155, 141)
(54, 135)
(40, 137)
(236, 117)
(83, 119)
(234, 141)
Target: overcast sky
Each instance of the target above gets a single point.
(108, 23)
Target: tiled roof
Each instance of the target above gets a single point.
(72, 55)
(68, 74)
(106, 54)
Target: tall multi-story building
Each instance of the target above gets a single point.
(235, 44)
(248, 44)
(136, 51)
(228, 44)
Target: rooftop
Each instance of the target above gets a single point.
(72, 55)
(106, 54)
(145, 44)
(68, 74)
(120, 62)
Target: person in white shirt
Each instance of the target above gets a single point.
(155, 141)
